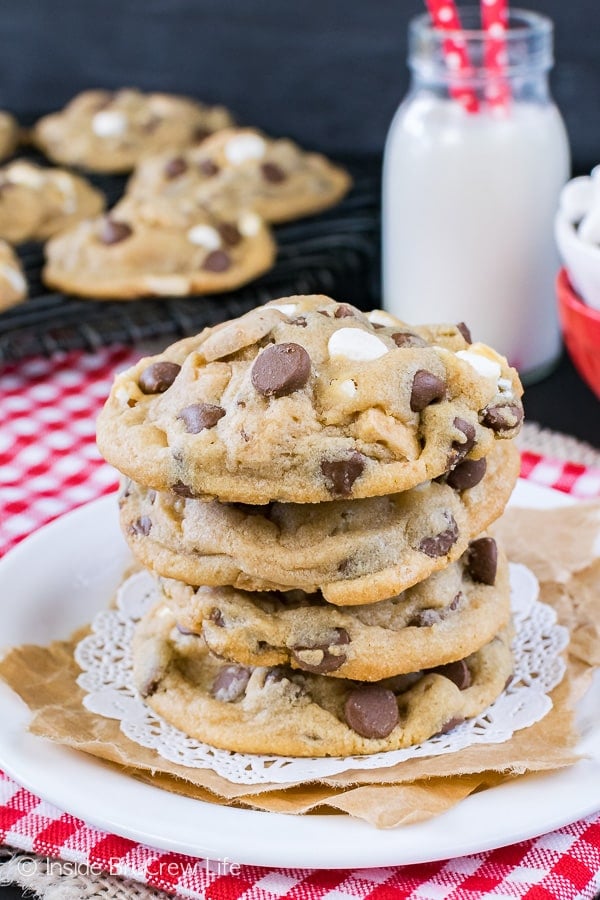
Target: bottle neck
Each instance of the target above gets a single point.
(517, 62)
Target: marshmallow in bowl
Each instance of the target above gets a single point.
(577, 231)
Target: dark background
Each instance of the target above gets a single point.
(328, 72)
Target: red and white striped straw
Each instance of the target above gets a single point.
(444, 16)
(494, 18)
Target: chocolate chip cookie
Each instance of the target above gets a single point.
(37, 202)
(278, 710)
(110, 131)
(244, 168)
(353, 551)
(305, 400)
(9, 134)
(13, 286)
(440, 620)
(150, 249)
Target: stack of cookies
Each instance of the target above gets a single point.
(311, 485)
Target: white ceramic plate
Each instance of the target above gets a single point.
(57, 579)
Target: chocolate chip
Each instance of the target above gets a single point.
(300, 321)
(183, 490)
(230, 683)
(281, 369)
(426, 389)
(461, 448)
(200, 134)
(113, 232)
(457, 672)
(318, 658)
(467, 474)
(482, 560)
(344, 311)
(208, 167)
(229, 234)
(175, 167)
(502, 417)
(158, 377)
(216, 616)
(217, 261)
(273, 173)
(465, 331)
(454, 722)
(141, 526)
(340, 474)
(440, 544)
(199, 416)
(371, 711)
(151, 683)
(407, 339)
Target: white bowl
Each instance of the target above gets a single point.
(581, 258)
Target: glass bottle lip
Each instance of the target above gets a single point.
(528, 40)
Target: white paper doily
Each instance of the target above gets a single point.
(105, 658)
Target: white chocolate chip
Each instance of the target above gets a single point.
(24, 173)
(123, 396)
(380, 317)
(14, 277)
(347, 388)
(288, 309)
(109, 123)
(487, 368)
(425, 485)
(505, 385)
(204, 236)
(354, 343)
(243, 147)
(249, 224)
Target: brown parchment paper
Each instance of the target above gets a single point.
(562, 547)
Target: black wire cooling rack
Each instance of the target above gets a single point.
(335, 253)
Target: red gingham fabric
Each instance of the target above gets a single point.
(48, 465)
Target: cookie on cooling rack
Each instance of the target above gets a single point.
(149, 249)
(110, 131)
(13, 285)
(38, 202)
(243, 167)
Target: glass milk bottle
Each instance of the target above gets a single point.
(469, 197)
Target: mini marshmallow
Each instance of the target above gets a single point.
(249, 224)
(204, 236)
(353, 343)
(487, 368)
(380, 317)
(243, 147)
(109, 123)
(288, 309)
(347, 388)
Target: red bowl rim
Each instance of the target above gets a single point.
(571, 299)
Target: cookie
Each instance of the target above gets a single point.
(9, 134)
(276, 710)
(37, 202)
(353, 551)
(440, 620)
(305, 400)
(244, 168)
(152, 250)
(13, 286)
(106, 131)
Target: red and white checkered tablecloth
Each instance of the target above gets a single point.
(48, 465)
